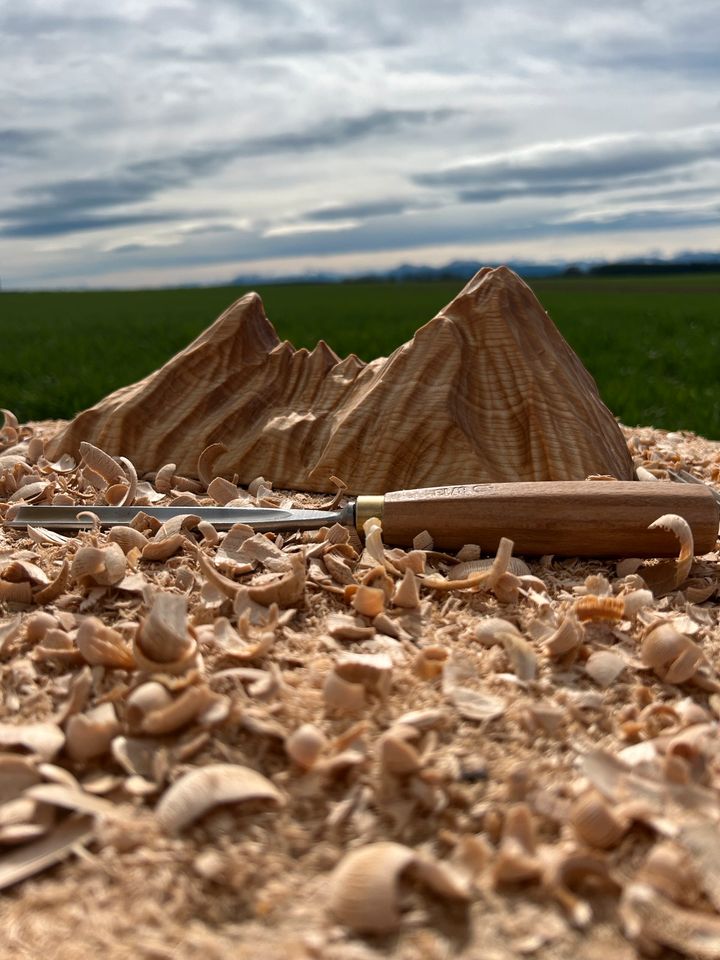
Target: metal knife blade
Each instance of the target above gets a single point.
(260, 518)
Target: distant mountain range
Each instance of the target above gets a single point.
(686, 262)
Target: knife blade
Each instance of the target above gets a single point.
(593, 518)
(260, 518)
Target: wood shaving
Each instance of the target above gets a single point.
(545, 741)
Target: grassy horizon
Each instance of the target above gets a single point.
(651, 343)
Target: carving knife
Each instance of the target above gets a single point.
(592, 518)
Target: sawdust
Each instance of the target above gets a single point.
(529, 752)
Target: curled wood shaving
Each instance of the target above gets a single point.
(56, 588)
(146, 495)
(178, 524)
(256, 548)
(343, 695)
(30, 492)
(132, 486)
(19, 571)
(485, 578)
(373, 671)
(341, 488)
(339, 569)
(650, 916)
(469, 703)
(342, 627)
(43, 739)
(69, 798)
(208, 531)
(186, 485)
(99, 566)
(398, 757)
(10, 421)
(228, 557)
(674, 657)
(35, 857)
(518, 650)
(227, 587)
(163, 640)
(164, 478)
(666, 576)
(62, 466)
(521, 656)
(364, 888)
(162, 548)
(593, 608)
(198, 791)
(596, 822)
(289, 589)
(681, 528)
(189, 705)
(89, 735)
(103, 646)
(222, 491)
(57, 645)
(145, 699)
(566, 638)
(127, 538)
(44, 536)
(101, 463)
(230, 643)
(206, 462)
(257, 486)
(306, 745)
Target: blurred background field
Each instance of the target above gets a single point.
(652, 343)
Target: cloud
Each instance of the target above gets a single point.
(342, 131)
(361, 211)
(202, 131)
(42, 23)
(72, 206)
(581, 166)
(69, 206)
(59, 224)
(650, 218)
(449, 227)
(20, 142)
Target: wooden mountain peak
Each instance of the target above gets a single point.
(486, 391)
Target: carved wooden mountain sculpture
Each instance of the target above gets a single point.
(486, 391)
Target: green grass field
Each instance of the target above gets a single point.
(652, 343)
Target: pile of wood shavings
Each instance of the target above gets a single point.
(251, 746)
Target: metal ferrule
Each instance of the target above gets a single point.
(367, 507)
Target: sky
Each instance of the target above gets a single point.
(158, 142)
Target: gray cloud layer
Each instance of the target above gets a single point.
(554, 169)
(182, 132)
(69, 206)
(17, 142)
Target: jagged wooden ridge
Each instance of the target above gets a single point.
(488, 390)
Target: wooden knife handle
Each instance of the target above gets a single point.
(591, 518)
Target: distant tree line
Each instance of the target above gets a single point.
(627, 269)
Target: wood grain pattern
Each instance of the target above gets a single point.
(565, 518)
(486, 391)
